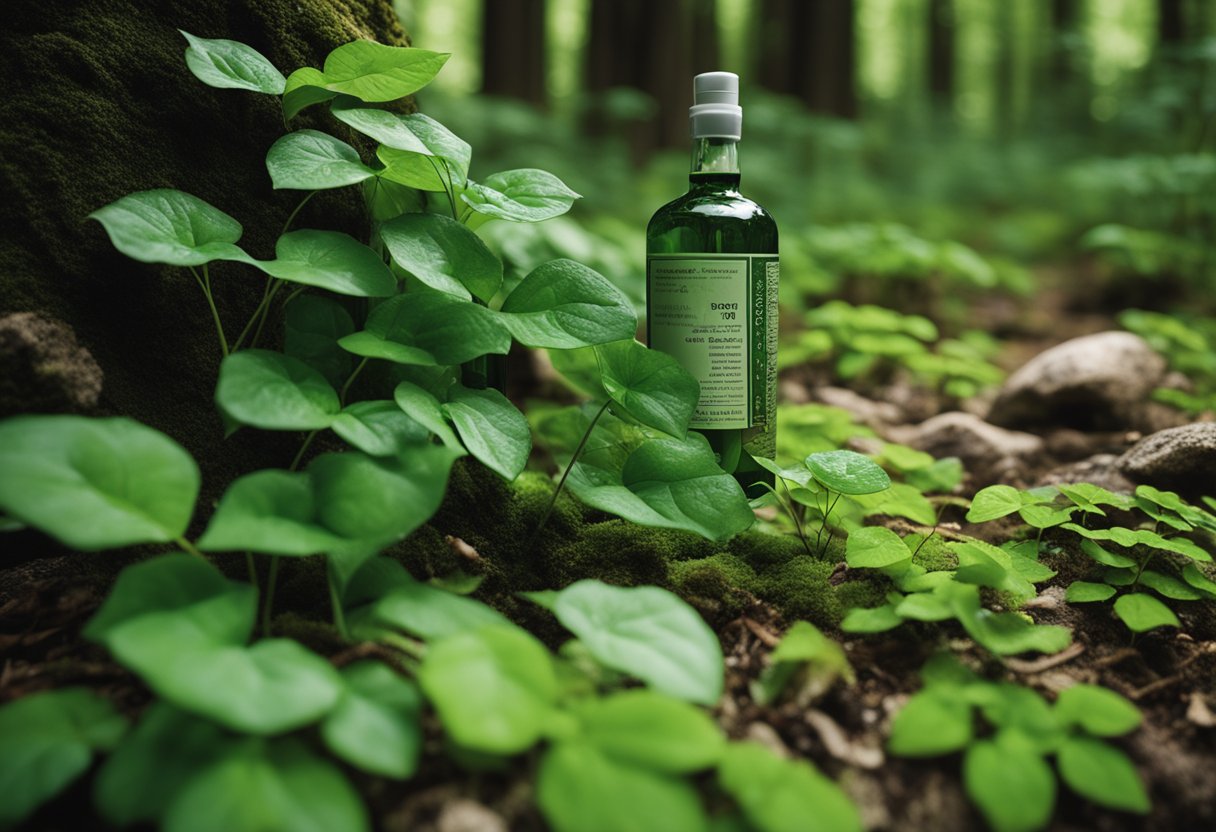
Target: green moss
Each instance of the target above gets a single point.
(800, 589)
(720, 586)
(933, 554)
(761, 549)
(861, 593)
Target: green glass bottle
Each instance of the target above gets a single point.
(711, 289)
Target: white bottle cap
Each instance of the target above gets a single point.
(715, 112)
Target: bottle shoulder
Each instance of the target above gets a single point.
(711, 217)
(725, 204)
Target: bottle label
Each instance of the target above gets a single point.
(716, 314)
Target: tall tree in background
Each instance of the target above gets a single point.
(1171, 22)
(808, 50)
(941, 51)
(513, 49)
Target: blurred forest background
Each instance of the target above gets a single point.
(1024, 169)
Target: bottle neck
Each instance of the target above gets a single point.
(715, 162)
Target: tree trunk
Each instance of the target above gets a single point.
(513, 49)
(941, 50)
(808, 50)
(1171, 22)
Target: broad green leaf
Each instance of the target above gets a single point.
(309, 160)
(95, 483)
(424, 408)
(1013, 786)
(1107, 557)
(1103, 774)
(1020, 711)
(165, 752)
(259, 785)
(173, 227)
(494, 688)
(429, 328)
(1098, 710)
(229, 64)
(376, 724)
(443, 254)
(1005, 633)
(312, 328)
(526, 195)
(1089, 497)
(983, 564)
(993, 502)
(180, 625)
(644, 729)
(1168, 586)
(646, 632)
(648, 385)
(273, 391)
(1143, 537)
(1141, 612)
(931, 724)
(900, 500)
(871, 620)
(581, 789)
(272, 512)
(1192, 575)
(1045, 516)
(1085, 592)
(380, 499)
(805, 643)
(386, 200)
(330, 260)
(848, 472)
(924, 606)
(397, 600)
(564, 305)
(492, 428)
(305, 87)
(778, 795)
(667, 483)
(875, 547)
(379, 428)
(414, 147)
(373, 72)
(47, 740)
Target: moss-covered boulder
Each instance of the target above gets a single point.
(98, 103)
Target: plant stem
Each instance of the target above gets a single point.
(295, 463)
(255, 317)
(189, 547)
(405, 645)
(265, 313)
(831, 532)
(351, 380)
(336, 602)
(204, 283)
(253, 570)
(789, 506)
(573, 459)
(268, 606)
(291, 217)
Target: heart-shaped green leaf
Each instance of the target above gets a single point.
(931, 724)
(848, 472)
(429, 328)
(1006, 633)
(492, 428)
(443, 254)
(581, 789)
(779, 795)
(993, 502)
(666, 483)
(305, 87)
(330, 260)
(272, 512)
(424, 408)
(1103, 774)
(309, 160)
(392, 598)
(648, 385)
(371, 71)
(173, 227)
(95, 483)
(166, 751)
(494, 688)
(564, 305)
(875, 547)
(1086, 592)
(414, 148)
(1011, 783)
(229, 64)
(312, 328)
(379, 428)
(273, 391)
(1197, 579)
(646, 632)
(257, 785)
(376, 724)
(1141, 612)
(1098, 710)
(46, 741)
(645, 729)
(526, 195)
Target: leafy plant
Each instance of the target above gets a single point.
(1189, 345)
(1005, 769)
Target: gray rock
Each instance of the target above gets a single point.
(989, 453)
(43, 369)
(1100, 381)
(867, 411)
(1181, 459)
(1101, 470)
